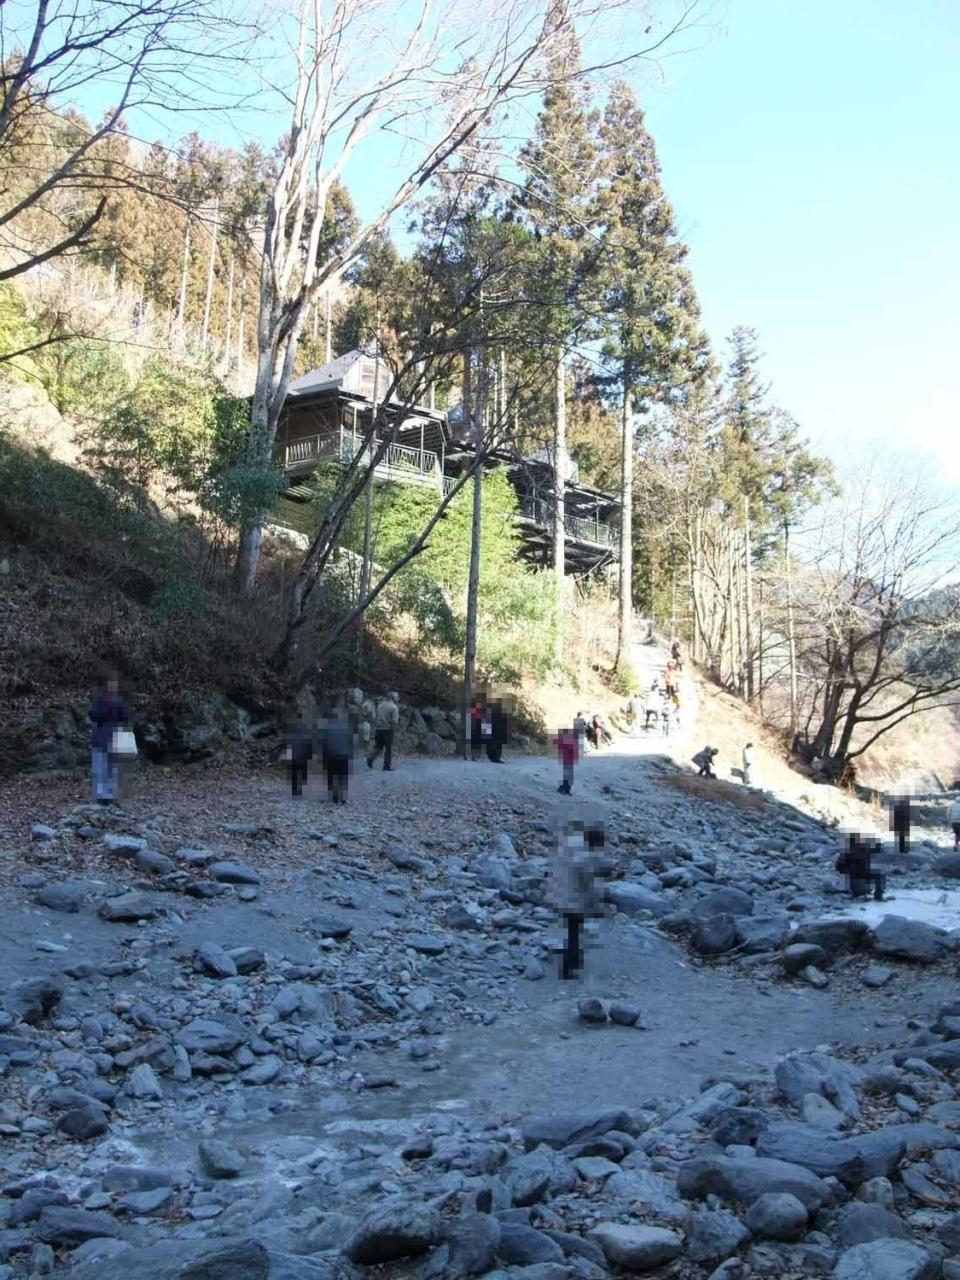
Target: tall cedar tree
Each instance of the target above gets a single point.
(655, 347)
(558, 198)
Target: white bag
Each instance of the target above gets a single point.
(124, 745)
(287, 755)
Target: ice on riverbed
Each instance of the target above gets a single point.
(940, 907)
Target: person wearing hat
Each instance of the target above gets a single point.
(704, 762)
(385, 723)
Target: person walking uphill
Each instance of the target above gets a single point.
(108, 713)
(336, 747)
(298, 752)
(704, 762)
(384, 726)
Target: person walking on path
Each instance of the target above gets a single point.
(580, 732)
(568, 749)
(572, 890)
(336, 747)
(675, 655)
(652, 705)
(497, 738)
(704, 761)
(954, 819)
(747, 764)
(900, 822)
(385, 725)
(108, 713)
(298, 752)
(476, 729)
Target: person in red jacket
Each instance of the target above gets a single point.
(569, 752)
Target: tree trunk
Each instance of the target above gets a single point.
(211, 267)
(184, 269)
(748, 600)
(791, 634)
(229, 331)
(559, 485)
(328, 328)
(366, 566)
(624, 632)
(473, 599)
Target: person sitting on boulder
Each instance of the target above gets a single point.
(855, 863)
(704, 762)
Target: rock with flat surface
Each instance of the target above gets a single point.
(154, 863)
(877, 975)
(756, 934)
(248, 1260)
(469, 1248)
(142, 1082)
(887, 1260)
(821, 1114)
(744, 1180)
(858, 1223)
(64, 896)
(87, 1120)
(220, 1160)
(206, 1035)
(636, 1249)
(714, 936)
(727, 901)
(799, 955)
(65, 1227)
(128, 908)
(835, 936)
(566, 1128)
(214, 961)
(226, 872)
(124, 844)
(522, 1246)
(631, 898)
(911, 940)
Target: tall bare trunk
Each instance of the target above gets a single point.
(731, 611)
(625, 629)
(211, 267)
(328, 327)
(791, 634)
(366, 567)
(229, 331)
(748, 601)
(559, 486)
(184, 271)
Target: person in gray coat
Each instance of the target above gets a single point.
(336, 746)
(572, 889)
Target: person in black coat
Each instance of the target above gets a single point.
(497, 738)
(298, 745)
(336, 746)
(108, 712)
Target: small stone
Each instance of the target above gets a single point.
(85, 1121)
(887, 1260)
(265, 1071)
(214, 960)
(777, 1216)
(233, 873)
(143, 1203)
(877, 975)
(817, 1111)
(40, 832)
(61, 897)
(143, 1083)
(799, 955)
(124, 844)
(815, 977)
(713, 1235)
(154, 863)
(68, 1227)
(591, 1010)
(627, 1015)
(220, 1160)
(128, 908)
(246, 1261)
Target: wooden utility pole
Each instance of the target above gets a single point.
(625, 627)
(366, 564)
(473, 578)
(211, 266)
(559, 492)
(748, 608)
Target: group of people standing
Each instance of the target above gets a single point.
(335, 739)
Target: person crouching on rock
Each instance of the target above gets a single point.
(568, 749)
(572, 889)
(704, 761)
(854, 863)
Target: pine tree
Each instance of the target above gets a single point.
(560, 162)
(655, 347)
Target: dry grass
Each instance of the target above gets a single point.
(715, 791)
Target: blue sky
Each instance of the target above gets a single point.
(811, 151)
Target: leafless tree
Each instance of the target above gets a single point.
(878, 610)
(55, 55)
(430, 75)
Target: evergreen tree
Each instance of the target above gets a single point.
(655, 347)
(560, 163)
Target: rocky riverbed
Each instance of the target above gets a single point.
(250, 1039)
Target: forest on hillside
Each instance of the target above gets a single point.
(161, 293)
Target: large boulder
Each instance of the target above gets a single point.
(726, 901)
(911, 940)
(823, 1154)
(888, 1260)
(564, 1129)
(803, 1073)
(836, 936)
(636, 1248)
(744, 1180)
(394, 1230)
(62, 1226)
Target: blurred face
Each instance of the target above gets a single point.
(113, 686)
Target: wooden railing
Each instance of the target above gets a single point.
(399, 461)
(595, 531)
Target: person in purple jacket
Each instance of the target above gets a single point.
(107, 713)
